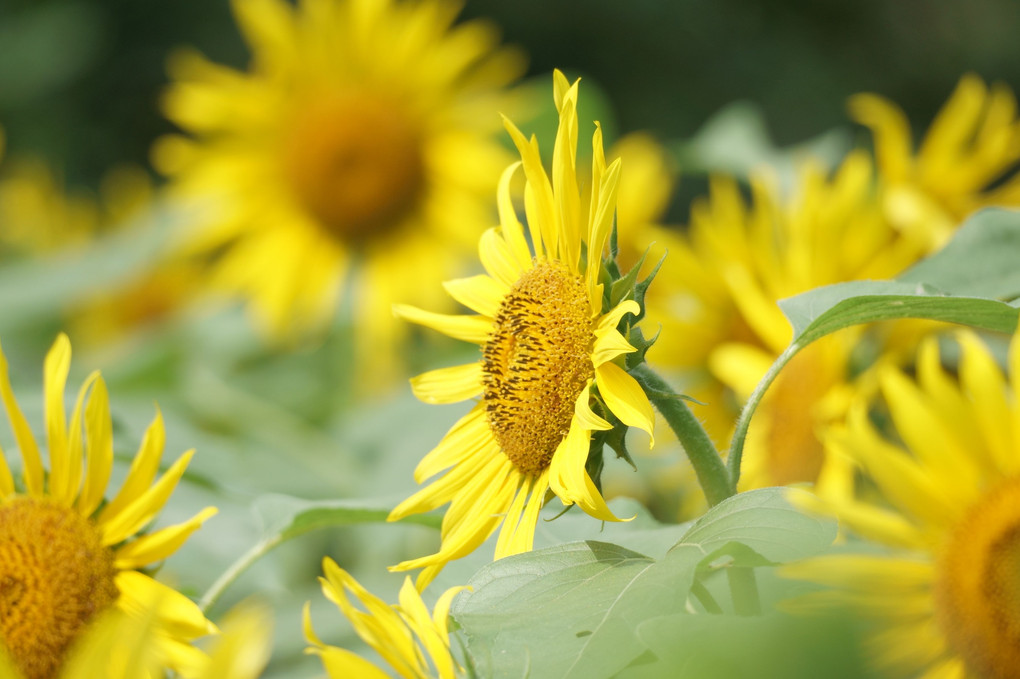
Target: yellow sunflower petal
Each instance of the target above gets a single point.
(417, 616)
(625, 398)
(65, 483)
(611, 319)
(33, 469)
(543, 218)
(564, 175)
(481, 293)
(497, 258)
(601, 225)
(465, 438)
(178, 615)
(513, 231)
(569, 479)
(98, 450)
(474, 329)
(160, 544)
(449, 385)
(341, 663)
(891, 129)
(609, 346)
(585, 416)
(142, 472)
(511, 519)
(144, 508)
(55, 370)
(6, 480)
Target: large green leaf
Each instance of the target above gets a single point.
(980, 260)
(825, 310)
(571, 610)
(773, 646)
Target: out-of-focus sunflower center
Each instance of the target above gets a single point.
(355, 164)
(978, 584)
(536, 363)
(55, 576)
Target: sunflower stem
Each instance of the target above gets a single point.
(744, 589)
(736, 453)
(708, 465)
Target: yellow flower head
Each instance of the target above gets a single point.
(966, 160)
(547, 346)
(66, 555)
(717, 294)
(358, 148)
(38, 214)
(944, 596)
(415, 644)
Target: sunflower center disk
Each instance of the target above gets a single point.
(55, 576)
(536, 363)
(978, 584)
(355, 164)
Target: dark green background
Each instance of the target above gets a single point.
(79, 79)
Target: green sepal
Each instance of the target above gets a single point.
(624, 287)
(638, 341)
(642, 287)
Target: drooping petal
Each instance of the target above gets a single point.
(625, 398)
(585, 416)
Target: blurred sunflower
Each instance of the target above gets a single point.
(548, 349)
(415, 644)
(717, 304)
(357, 150)
(40, 215)
(943, 595)
(66, 555)
(966, 161)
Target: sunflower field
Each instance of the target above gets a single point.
(436, 340)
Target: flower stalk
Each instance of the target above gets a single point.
(708, 465)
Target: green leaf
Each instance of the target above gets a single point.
(825, 310)
(765, 522)
(284, 517)
(726, 646)
(571, 610)
(568, 611)
(980, 260)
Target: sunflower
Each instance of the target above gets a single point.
(717, 295)
(943, 595)
(66, 555)
(549, 352)
(357, 150)
(415, 644)
(966, 161)
(40, 215)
